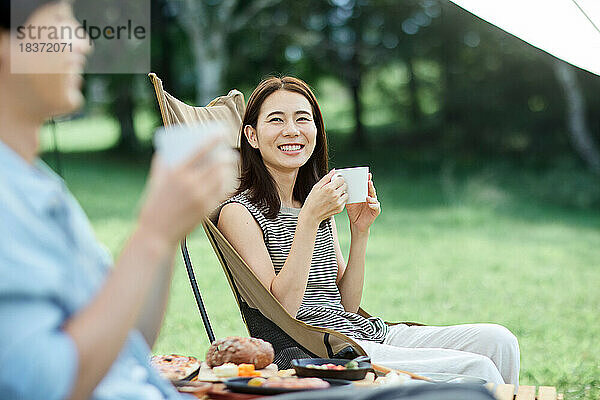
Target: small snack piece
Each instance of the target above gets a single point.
(370, 377)
(286, 373)
(394, 378)
(369, 380)
(175, 367)
(240, 350)
(256, 381)
(227, 370)
(247, 370)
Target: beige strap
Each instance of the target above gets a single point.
(160, 97)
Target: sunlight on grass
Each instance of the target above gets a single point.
(93, 132)
(88, 133)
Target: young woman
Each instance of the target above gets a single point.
(281, 222)
(72, 326)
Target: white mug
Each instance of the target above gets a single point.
(178, 143)
(357, 179)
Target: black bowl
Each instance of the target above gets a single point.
(300, 365)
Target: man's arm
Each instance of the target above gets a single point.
(153, 310)
(100, 329)
(176, 201)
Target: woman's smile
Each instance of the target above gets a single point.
(291, 148)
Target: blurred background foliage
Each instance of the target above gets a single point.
(424, 78)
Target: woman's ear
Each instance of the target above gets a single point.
(250, 134)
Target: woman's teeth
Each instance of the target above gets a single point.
(290, 147)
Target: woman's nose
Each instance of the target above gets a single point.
(291, 130)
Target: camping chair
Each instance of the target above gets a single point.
(264, 316)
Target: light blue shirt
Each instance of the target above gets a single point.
(51, 266)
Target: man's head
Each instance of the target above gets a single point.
(56, 89)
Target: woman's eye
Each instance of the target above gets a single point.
(303, 119)
(276, 119)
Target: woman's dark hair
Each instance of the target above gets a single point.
(254, 175)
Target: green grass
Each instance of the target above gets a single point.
(448, 248)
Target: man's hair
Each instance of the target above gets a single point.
(254, 175)
(22, 10)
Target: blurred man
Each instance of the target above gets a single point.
(71, 326)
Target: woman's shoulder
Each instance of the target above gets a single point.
(239, 210)
(243, 198)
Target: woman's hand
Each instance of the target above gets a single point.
(179, 197)
(327, 198)
(362, 215)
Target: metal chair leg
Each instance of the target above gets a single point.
(194, 284)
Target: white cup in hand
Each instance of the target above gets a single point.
(357, 179)
(178, 143)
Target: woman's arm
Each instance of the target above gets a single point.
(243, 232)
(339, 257)
(351, 279)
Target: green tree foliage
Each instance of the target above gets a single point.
(423, 74)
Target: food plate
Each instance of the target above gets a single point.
(453, 378)
(240, 385)
(300, 365)
(190, 376)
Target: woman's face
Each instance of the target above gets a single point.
(52, 81)
(285, 132)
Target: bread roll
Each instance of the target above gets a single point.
(240, 350)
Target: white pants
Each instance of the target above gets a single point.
(486, 351)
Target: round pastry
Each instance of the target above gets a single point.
(175, 367)
(240, 350)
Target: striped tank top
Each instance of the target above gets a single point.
(321, 305)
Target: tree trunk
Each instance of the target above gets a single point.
(448, 51)
(359, 130)
(579, 132)
(415, 110)
(161, 34)
(208, 27)
(123, 108)
(210, 57)
(355, 82)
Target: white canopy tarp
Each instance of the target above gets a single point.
(567, 29)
